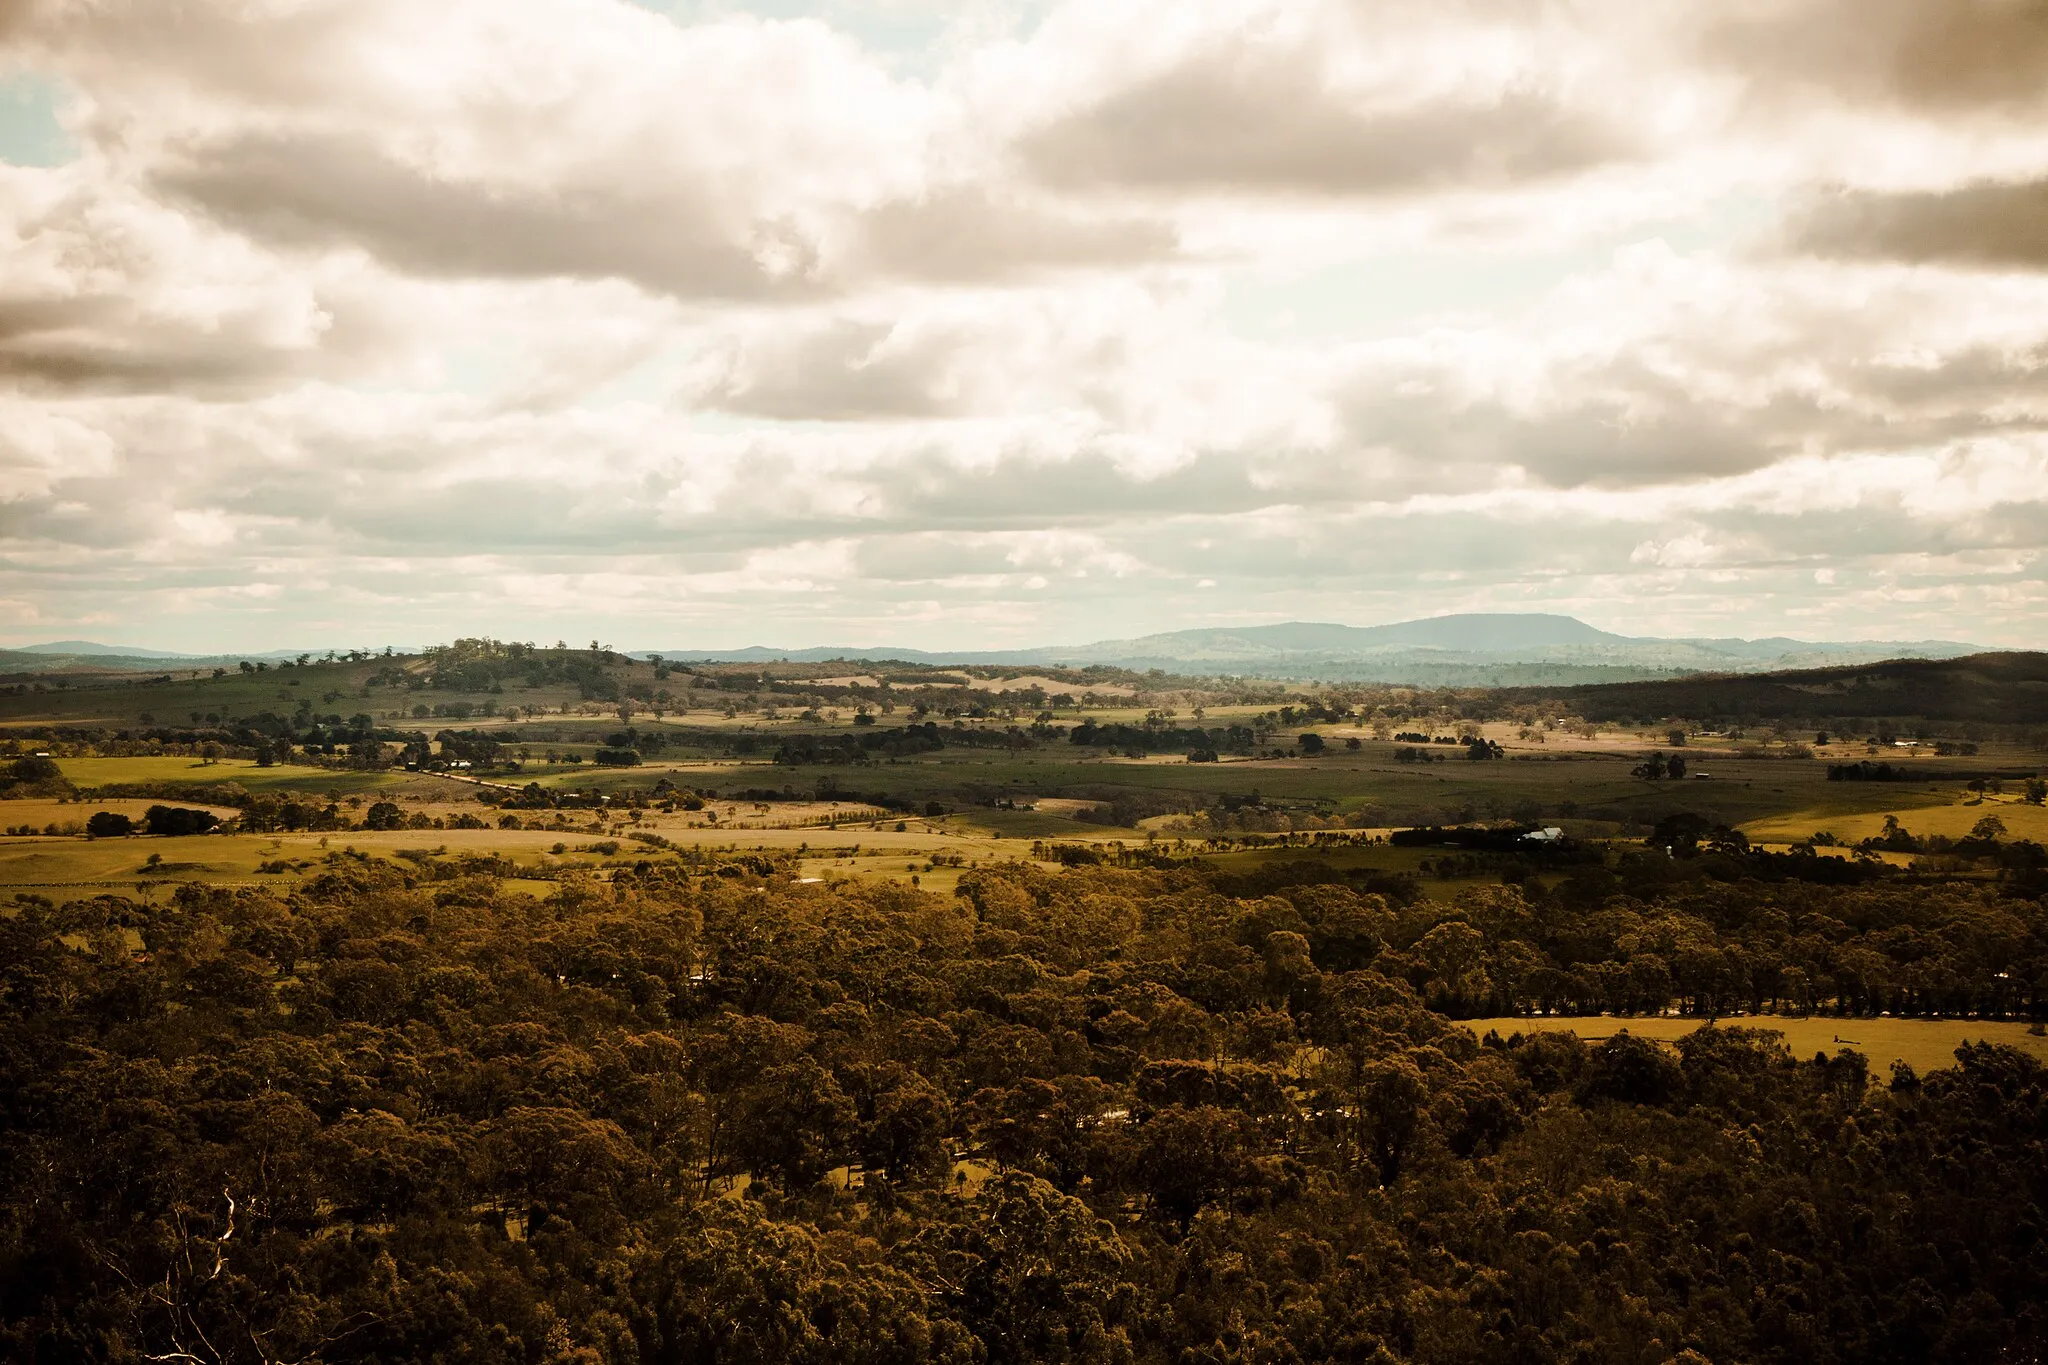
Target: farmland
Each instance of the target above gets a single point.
(517, 962)
(508, 751)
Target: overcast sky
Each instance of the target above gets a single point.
(347, 322)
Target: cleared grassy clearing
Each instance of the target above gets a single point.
(39, 864)
(911, 870)
(1032, 824)
(1923, 1044)
(95, 772)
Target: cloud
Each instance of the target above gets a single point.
(1977, 226)
(1311, 101)
(739, 160)
(1134, 362)
(970, 234)
(536, 138)
(16, 17)
(1938, 57)
(509, 314)
(1671, 367)
(840, 371)
(330, 190)
(105, 289)
(1240, 122)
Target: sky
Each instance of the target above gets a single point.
(985, 324)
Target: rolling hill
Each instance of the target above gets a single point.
(1498, 649)
(1993, 688)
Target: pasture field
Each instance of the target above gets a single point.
(1953, 819)
(283, 777)
(1572, 785)
(67, 867)
(1595, 791)
(64, 868)
(97, 772)
(1923, 1044)
(39, 815)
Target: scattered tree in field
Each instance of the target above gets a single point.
(107, 824)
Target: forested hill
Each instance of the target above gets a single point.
(2008, 688)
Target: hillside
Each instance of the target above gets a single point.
(1991, 688)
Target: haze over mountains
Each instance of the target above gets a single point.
(1473, 650)
(90, 656)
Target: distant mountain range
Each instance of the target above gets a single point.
(1502, 649)
(88, 649)
(89, 656)
(1468, 650)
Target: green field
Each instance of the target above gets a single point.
(90, 773)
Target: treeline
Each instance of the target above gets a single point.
(356, 743)
(1139, 740)
(1109, 1115)
(1866, 771)
(865, 745)
(869, 744)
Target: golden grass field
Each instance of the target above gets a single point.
(99, 772)
(1923, 1044)
(1953, 819)
(42, 813)
(69, 867)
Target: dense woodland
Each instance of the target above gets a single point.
(1167, 1114)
